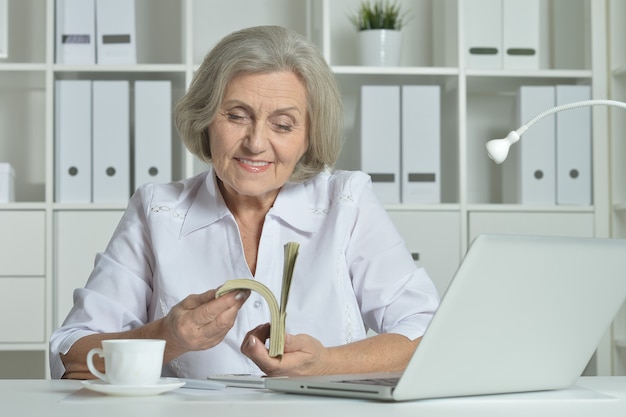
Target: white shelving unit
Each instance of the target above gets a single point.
(172, 38)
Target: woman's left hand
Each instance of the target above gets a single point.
(303, 354)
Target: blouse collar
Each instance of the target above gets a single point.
(208, 206)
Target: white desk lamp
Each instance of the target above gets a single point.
(498, 149)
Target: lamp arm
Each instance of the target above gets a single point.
(568, 106)
(498, 149)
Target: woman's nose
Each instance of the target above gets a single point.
(257, 138)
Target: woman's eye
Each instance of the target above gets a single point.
(283, 127)
(236, 117)
(282, 124)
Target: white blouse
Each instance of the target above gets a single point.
(353, 271)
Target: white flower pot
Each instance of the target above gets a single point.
(380, 47)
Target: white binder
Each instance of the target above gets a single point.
(75, 32)
(380, 140)
(72, 138)
(573, 144)
(4, 29)
(153, 132)
(537, 148)
(520, 37)
(111, 142)
(483, 33)
(115, 27)
(7, 183)
(421, 139)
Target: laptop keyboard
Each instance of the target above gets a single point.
(387, 382)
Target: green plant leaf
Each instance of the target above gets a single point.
(380, 14)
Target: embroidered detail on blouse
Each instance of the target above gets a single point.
(319, 211)
(158, 209)
(346, 197)
(163, 208)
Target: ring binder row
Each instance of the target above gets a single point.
(400, 142)
(552, 163)
(502, 34)
(95, 31)
(93, 138)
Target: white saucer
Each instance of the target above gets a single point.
(164, 384)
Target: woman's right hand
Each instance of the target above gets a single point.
(200, 321)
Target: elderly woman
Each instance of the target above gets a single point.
(265, 111)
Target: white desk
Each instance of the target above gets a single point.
(591, 397)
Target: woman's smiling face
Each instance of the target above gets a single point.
(260, 133)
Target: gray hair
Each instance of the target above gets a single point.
(265, 49)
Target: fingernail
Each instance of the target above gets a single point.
(240, 295)
(252, 341)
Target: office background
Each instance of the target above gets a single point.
(48, 240)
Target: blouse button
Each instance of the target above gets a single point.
(257, 304)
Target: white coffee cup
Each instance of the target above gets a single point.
(129, 361)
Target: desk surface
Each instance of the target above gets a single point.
(592, 396)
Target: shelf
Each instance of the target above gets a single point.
(423, 207)
(21, 66)
(470, 73)
(9, 347)
(540, 73)
(175, 68)
(362, 70)
(486, 208)
(88, 206)
(22, 206)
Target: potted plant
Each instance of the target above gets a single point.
(380, 39)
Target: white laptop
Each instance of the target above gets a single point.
(522, 314)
